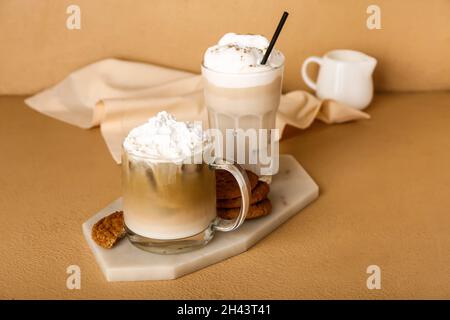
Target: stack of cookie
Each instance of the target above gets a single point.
(229, 196)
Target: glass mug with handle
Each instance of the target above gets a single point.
(170, 207)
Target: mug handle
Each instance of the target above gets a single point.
(244, 185)
(306, 78)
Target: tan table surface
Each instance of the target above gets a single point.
(385, 200)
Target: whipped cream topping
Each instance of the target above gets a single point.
(241, 53)
(164, 138)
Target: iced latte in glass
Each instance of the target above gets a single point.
(242, 97)
(169, 187)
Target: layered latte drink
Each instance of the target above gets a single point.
(163, 189)
(242, 97)
(169, 186)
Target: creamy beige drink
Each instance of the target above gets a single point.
(169, 186)
(164, 196)
(240, 93)
(167, 200)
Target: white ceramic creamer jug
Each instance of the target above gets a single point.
(344, 76)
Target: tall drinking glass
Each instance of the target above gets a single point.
(243, 107)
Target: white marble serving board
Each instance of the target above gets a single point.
(291, 190)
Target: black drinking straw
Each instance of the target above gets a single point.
(274, 37)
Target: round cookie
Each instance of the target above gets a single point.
(228, 188)
(108, 230)
(256, 210)
(259, 193)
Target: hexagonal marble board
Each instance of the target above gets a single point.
(291, 190)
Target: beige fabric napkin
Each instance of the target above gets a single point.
(119, 95)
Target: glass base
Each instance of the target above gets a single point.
(171, 246)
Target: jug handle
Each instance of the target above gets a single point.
(304, 72)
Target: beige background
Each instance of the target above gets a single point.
(384, 200)
(37, 50)
(384, 182)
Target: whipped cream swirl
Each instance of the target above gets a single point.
(241, 53)
(164, 138)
